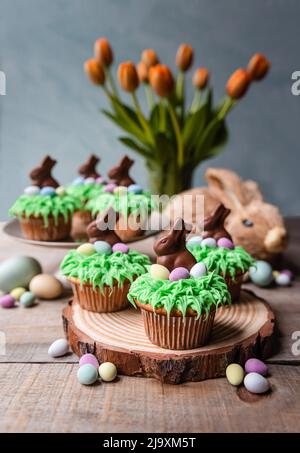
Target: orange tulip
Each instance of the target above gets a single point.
(161, 80)
(149, 57)
(200, 78)
(142, 70)
(258, 66)
(184, 57)
(128, 76)
(238, 84)
(103, 52)
(94, 71)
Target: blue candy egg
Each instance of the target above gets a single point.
(198, 270)
(261, 274)
(32, 190)
(103, 247)
(209, 242)
(194, 241)
(135, 188)
(27, 299)
(78, 181)
(48, 191)
(89, 180)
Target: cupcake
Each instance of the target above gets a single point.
(101, 273)
(177, 297)
(217, 252)
(45, 209)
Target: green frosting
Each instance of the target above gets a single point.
(199, 294)
(85, 192)
(125, 204)
(45, 206)
(222, 260)
(105, 270)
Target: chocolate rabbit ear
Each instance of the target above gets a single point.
(226, 186)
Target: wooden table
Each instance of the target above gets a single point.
(38, 394)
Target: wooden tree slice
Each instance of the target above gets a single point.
(242, 330)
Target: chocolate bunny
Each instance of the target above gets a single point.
(171, 248)
(41, 176)
(88, 169)
(214, 223)
(120, 173)
(98, 230)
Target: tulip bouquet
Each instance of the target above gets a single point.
(173, 137)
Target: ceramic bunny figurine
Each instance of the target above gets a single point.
(41, 176)
(171, 248)
(120, 173)
(88, 169)
(253, 224)
(98, 229)
(214, 224)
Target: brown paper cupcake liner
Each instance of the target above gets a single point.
(177, 332)
(111, 299)
(33, 228)
(81, 220)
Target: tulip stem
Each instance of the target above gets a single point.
(180, 150)
(162, 115)
(111, 81)
(196, 101)
(180, 91)
(226, 107)
(142, 119)
(149, 95)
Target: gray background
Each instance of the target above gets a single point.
(50, 107)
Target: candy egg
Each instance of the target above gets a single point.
(7, 301)
(99, 180)
(110, 187)
(256, 366)
(235, 374)
(288, 272)
(135, 188)
(120, 247)
(179, 273)
(120, 190)
(283, 279)
(86, 249)
(32, 190)
(102, 247)
(89, 180)
(16, 293)
(198, 270)
(78, 181)
(226, 243)
(48, 191)
(255, 383)
(209, 242)
(275, 273)
(261, 273)
(60, 191)
(58, 348)
(27, 299)
(107, 371)
(159, 272)
(18, 271)
(89, 358)
(194, 241)
(87, 374)
(46, 286)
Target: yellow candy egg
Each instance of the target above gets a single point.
(86, 249)
(60, 191)
(16, 293)
(235, 374)
(159, 272)
(107, 371)
(121, 190)
(276, 274)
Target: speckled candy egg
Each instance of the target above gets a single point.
(255, 383)
(87, 374)
(209, 242)
(256, 366)
(283, 279)
(89, 180)
(32, 190)
(27, 299)
(18, 271)
(235, 374)
(120, 190)
(48, 191)
(102, 247)
(99, 180)
(120, 247)
(261, 274)
(46, 286)
(179, 273)
(86, 249)
(60, 191)
(159, 272)
(135, 188)
(58, 348)
(89, 358)
(16, 293)
(226, 243)
(7, 301)
(78, 181)
(194, 241)
(107, 371)
(198, 270)
(110, 187)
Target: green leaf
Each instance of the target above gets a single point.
(193, 126)
(136, 147)
(155, 118)
(213, 139)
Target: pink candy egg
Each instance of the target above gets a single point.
(120, 247)
(110, 187)
(225, 242)
(90, 359)
(7, 301)
(99, 180)
(256, 366)
(179, 273)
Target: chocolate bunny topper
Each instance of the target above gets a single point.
(88, 169)
(120, 173)
(102, 229)
(41, 176)
(214, 223)
(171, 249)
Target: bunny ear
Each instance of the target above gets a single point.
(252, 191)
(48, 162)
(227, 187)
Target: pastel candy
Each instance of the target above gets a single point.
(18, 271)
(194, 241)
(99, 180)
(7, 301)
(179, 273)
(78, 181)
(121, 190)
(235, 374)
(32, 190)
(102, 247)
(87, 374)
(255, 383)
(198, 270)
(261, 273)
(226, 243)
(110, 187)
(46, 286)
(16, 293)
(86, 249)
(27, 299)
(107, 371)
(288, 272)
(208, 242)
(135, 188)
(89, 180)
(89, 358)
(283, 279)
(48, 191)
(60, 191)
(58, 348)
(159, 272)
(120, 247)
(256, 366)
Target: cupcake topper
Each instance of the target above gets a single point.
(88, 169)
(120, 173)
(171, 249)
(214, 223)
(99, 229)
(41, 176)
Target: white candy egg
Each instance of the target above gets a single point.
(58, 348)
(255, 383)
